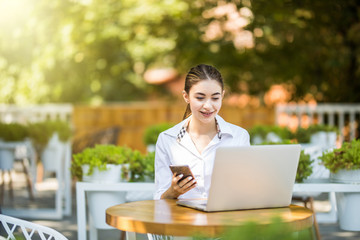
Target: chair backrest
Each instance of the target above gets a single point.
(17, 228)
(104, 136)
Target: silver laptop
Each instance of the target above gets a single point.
(250, 177)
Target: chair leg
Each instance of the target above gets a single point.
(2, 187)
(123, 235)
(311, 201)
(28, 181)
(11, 189)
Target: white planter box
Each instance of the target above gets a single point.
(53, 154)
(273, 137)
(257, 139)
(7, 159)
(346, 176)
(348, 204)
(331, 139)
(99, 201)
(319, 138)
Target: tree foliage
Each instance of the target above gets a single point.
(93, 51)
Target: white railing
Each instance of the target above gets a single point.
(35, 113)
(345, 116)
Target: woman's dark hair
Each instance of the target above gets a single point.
(199, 73)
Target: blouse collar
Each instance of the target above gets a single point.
(185, 126)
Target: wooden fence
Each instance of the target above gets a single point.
(134, 118)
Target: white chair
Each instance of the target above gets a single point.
(159, 237)
(15, 228)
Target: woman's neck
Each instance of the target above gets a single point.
(199, 128)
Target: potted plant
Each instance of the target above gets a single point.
(51, 139)
(110, 164)
(344, 166)
(10, 133)
(90, 164)
(258, 134)
(304, 169)
(279, 134)
(302, 135)
(323, 134)
(265, 133)
(151, 134)
(101, 164)
(142, 167)
(13, 132)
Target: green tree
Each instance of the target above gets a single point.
(93, 51)
(311, 44)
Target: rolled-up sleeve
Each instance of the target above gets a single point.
(162, 171)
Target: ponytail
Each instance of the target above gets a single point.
(187, 111)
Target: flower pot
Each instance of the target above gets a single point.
(257, 139)
(346, 176)
(52, 155)
(7, 158)
(348, 203)
(112, 175)
(99, 201)
(273, 137)
(150, 148)
(331, 139)
(319, 138)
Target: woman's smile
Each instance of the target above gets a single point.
(206, 114)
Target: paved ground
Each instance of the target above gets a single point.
(68, 225)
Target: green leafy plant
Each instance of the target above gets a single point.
(259, 130)
(304, 169)
(283, 132)
(149, 160)
(151, 133)
(263, 130)
(347, 157)
(12, 132)
(275, 230)
(140, 166)
(302, 135)
(98, 157)
(41, 132)
(322, 128)
(62, 128)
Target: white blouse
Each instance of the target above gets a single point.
(172, 150)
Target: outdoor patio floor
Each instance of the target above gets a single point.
(68, 225)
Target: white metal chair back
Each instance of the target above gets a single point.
(159, 237)
(16, 228)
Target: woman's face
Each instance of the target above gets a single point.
(205, 99)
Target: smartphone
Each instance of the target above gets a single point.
(182, 169)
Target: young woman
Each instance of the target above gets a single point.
(194, 141)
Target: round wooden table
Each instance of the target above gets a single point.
(164, 217)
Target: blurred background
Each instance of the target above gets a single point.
(94, 52)
(97, 55)
(113, 72)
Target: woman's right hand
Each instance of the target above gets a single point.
(178, 187)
